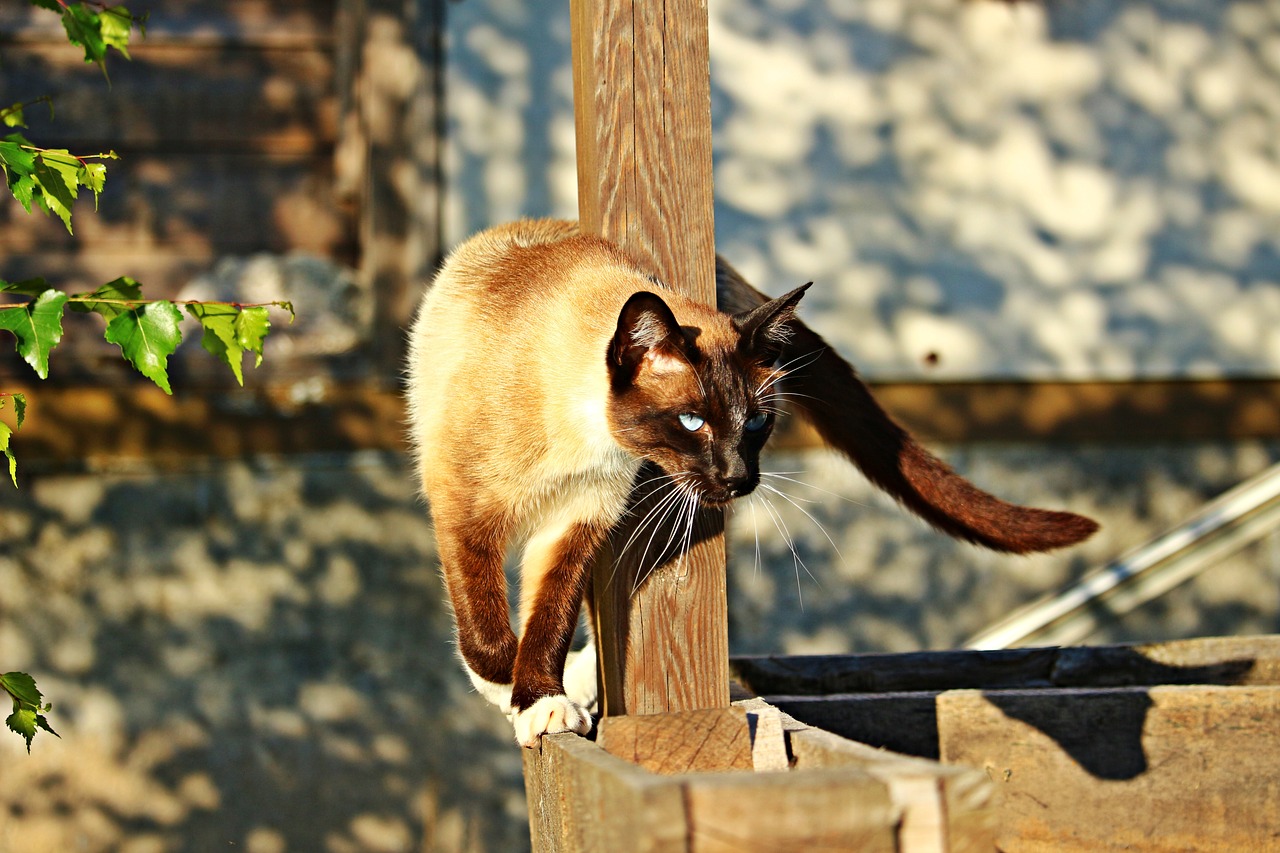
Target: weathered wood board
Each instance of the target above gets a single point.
(696, 790)
(1130, 768)
(1166, 747)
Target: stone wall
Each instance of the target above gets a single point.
(258, 655)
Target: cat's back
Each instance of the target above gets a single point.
(525, 266)
(510, 341)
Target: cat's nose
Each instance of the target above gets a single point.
(739, 485)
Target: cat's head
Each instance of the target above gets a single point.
(698, 401)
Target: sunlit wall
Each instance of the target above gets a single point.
(1068, 190)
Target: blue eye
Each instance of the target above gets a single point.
(691, 422)
(756, 422)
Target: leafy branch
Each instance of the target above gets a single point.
(146, 331)
(28, 712)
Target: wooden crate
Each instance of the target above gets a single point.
(746, 778)
(1166, 747)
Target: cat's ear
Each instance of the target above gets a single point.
(764, 328)
(647, 333)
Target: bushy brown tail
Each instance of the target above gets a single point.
(827, 392)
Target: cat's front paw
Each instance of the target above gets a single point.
(548, 716)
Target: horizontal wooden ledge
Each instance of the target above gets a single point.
(1135, 411)
(314, 412)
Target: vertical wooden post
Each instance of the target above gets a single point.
(642, 105)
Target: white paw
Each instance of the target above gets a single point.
(580, 681)
(548, 716)
(498, 694)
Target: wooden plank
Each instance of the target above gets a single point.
(388, 158)
(583, 799)
(178, 96)
(942, 808)
(836, 809)
(1074, 412)
(277, 23)
(85, 426)
(194, 208)
(643, 115)
(706, 740)
(1221, 660)
(905, 722)
(1155, 769)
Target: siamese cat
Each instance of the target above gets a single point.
(545, 366)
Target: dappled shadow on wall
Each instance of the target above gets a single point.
(1070, 190)
(257, 656)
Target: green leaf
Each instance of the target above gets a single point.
(230, 331)
(115, 23)
(252, 326)
(93, 176)
(27, 287)
(106, 299)
(219, 338)
(22, 688)
(147, 336)
(37, 326)
(56, 192)
(14, 116)
(23, 721)
(6, 432)
(84, 27)
(51, 5)
(19, 408)
(26, 716)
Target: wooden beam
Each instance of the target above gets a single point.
(642, 105)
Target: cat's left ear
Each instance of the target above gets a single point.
(648, 335)
(764, 328)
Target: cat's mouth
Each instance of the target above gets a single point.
(723, 494)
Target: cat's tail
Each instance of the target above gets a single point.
(827, 391)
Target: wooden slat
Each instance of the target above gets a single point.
(390, 80)
(680, 742)
(1154, 769)
(276, 23)
(167, 271)
(1143, 410)
(643, 116)
(176, 97)
(905, 723)
(188, 211)
(941, 808)
(583, 799)
(1218, 660)
(91, 425)
(818, 810)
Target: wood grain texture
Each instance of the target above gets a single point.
(1154, 769)
(941, 808)
(583, 799)
(643, 114)
(829, 810)
(706, 740)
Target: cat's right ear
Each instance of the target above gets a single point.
(648, 334)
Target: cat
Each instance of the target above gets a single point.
(545, 367)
